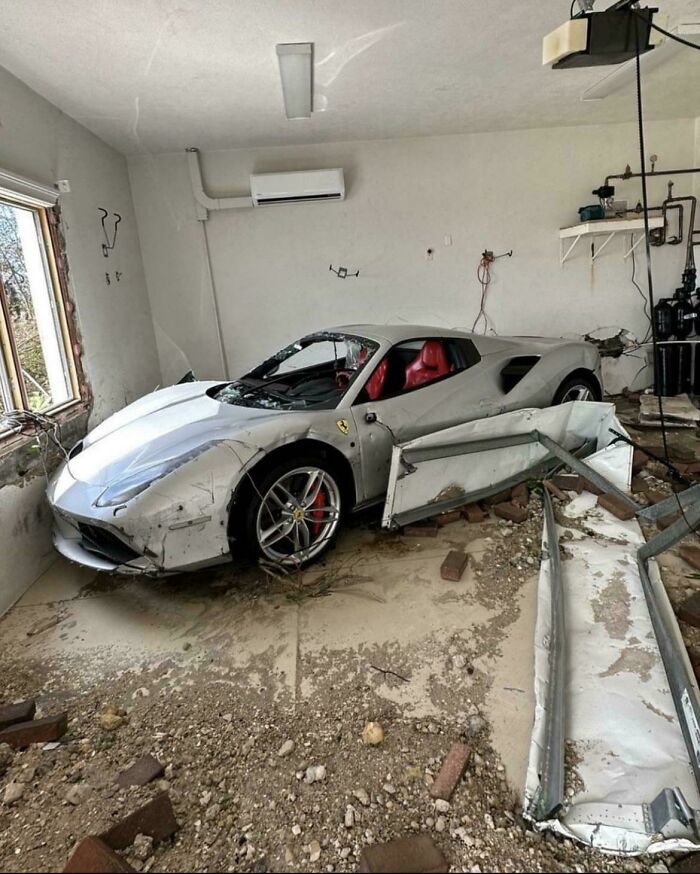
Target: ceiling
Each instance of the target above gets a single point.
(159, 75)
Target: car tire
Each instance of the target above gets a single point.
(300, 517)
(577, 388)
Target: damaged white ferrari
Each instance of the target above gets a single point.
(270, 463)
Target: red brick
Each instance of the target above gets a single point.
(499, 497)
(454, 565)
(639, 460)
(421, 529)
(692, 469)
(520, 495)
(587, 486)
(691, 554)
(453, 766)
(412, 855)
(22, 734)
(616, 506)
(511, 512)
(473, 513)
(10, 714)
(447, 518)
(686, 865)
(93, 856)
(689, 611)
(554, 489)
(639, 485)
(156, 819)
(568, 482)
(665, 521)
(654, 496)
(147, 768)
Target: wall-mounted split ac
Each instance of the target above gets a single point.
(267, 189)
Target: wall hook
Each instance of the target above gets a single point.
(342, 272)
(108, 245)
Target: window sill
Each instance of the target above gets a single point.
(69, 417)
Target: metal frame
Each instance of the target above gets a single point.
(684, 689)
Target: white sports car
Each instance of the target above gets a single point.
(270, 463)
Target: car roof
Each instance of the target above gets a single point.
(397, 333)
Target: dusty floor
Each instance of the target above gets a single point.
(217, 670)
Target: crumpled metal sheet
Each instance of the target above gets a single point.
(624, 744)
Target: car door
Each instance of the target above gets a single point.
(449, 399)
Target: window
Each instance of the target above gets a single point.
(37, 372)
(417, 363)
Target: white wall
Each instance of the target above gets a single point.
(497, 191)
(120, 360)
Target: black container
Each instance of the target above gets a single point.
(697, 316)
(684, 359)
(696, 370)
(666, 369)
(664, 319)
(683, 317)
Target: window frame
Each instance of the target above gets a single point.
(12, 383)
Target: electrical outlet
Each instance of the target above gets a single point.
(448, 239)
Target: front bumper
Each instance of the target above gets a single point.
(97, 547)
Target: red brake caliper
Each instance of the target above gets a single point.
(319, 501)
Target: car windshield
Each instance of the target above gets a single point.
(313, 373)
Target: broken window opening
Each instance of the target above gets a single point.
(37, 370)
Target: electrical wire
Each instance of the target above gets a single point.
(639, 289)
(667, 33)
(483, 274)
(650, 279)
(46, 430)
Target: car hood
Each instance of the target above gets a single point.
(160, 426)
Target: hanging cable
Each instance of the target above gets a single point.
(639, 289)
(483, 274)
(666, 33)
(647, 242)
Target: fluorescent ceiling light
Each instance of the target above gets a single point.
(295, 71)
(626, 73)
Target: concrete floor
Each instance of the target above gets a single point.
(386, 605)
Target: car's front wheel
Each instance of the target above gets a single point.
(577, 388)
(294, 511)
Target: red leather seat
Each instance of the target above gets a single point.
(375, 384)
(430, 363)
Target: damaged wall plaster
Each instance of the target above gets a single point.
(497, 190)
(115, 325)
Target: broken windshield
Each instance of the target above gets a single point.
(313, 373)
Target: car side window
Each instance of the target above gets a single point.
(417, 363)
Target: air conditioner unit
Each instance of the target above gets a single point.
(299, 187)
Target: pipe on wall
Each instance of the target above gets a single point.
(205, 203)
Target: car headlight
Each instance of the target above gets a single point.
(127, 488)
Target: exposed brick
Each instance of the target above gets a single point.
(639, 485)
(616, 506)
(520, 495)
(147, 768)
(499, 497)
(587, 486)
(691, 554)
(473, 513)
(554, 489)
(654, 496)
(448, 517)
(691, 469)
(568, 482)
(421, 529)
(453, 766)
(413, 855)
(639, 460)
(511, 512)
(683, 454)
(10, 714)
(665, 521)
(156, 819)
(689, 610)
(93, 856)
(22, 734)
(453, 566)
(686, 865)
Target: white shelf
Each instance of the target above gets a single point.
(608, 228)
